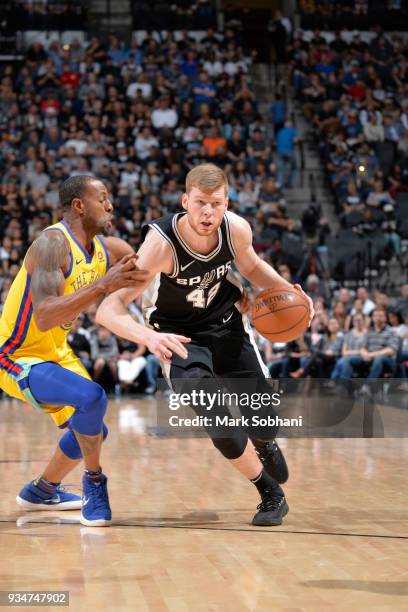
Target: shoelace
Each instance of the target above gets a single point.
(270, 501)
(59, 489)
(64, 488)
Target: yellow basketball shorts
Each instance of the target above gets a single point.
(59, 414)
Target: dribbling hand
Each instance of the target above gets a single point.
(311, 307)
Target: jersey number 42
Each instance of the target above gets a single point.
(198, 298)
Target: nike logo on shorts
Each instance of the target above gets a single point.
(226, 319)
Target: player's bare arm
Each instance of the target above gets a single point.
(155, 256)
(117, 248)
(47, 260)
(257, 271)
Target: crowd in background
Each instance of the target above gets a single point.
(139, 118)
(356, 96)
(44, 14)
(352, 14)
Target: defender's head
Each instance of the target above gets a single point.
(87, 198)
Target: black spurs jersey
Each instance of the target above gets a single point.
(201, 290)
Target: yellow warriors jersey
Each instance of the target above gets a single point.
(20, 338)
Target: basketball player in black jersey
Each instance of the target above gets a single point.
(194, 324)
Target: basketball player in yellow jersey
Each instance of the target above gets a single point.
(66, 269)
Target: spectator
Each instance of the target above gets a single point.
(368, 305)
(213, 142)
(144, 142)
(131, 364)
(164, 116)
(278, 112)
(354, 341)
(79, 339)
(325, 353)
(379, 197)
(379, 351)
(401, 304)
(104, 353)
(204, 91)
(373, 130)
(286, 141)
(38, 178)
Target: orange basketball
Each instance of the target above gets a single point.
(280, 314)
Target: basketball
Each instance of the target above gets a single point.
(280, 314)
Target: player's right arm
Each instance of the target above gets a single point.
(155, 256)
(47, 259)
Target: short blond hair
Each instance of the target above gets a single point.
(207, 178)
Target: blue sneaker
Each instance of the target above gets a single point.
(96, 511)
(32, 497)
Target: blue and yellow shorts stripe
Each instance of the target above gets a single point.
(14, 381)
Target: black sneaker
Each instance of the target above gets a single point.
(272, 459)
(272, 508)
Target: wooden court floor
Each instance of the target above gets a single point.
(182, 539)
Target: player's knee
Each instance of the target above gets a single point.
(91, 409)
(96, 399)
(232, 448)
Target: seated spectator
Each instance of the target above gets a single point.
(400, 326)
(352, 200)
(164, 117)
(324, 353)
(379, 351)
(275, 354)
(248, 198)
(373, 130)
(204, 90)
(79, 339)
(357, 309)
(339, 313)
(140, 85)
(104, 353)
(314, 286)
(213, 141)
(278, 221)
(400, 304)
(38, 178)
(353, 342)
(379, 197)
(270, 193)
(298, 353)
(368, 304)
(257, 147)
(285, 272)
(344, 296)
(171, 196)
(130, 364)
(144, 142)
